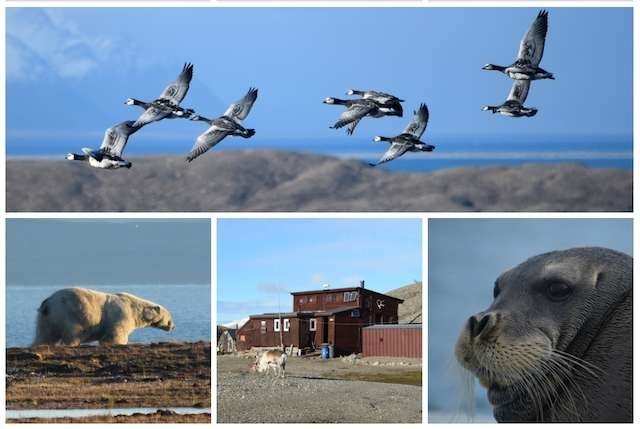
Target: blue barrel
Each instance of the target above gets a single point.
(324, 351)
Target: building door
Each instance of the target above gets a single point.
(325, 330)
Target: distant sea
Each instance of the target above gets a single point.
(190, 306)
(593, 151)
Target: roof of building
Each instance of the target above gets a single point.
(345, 289)
(304, 313)
(396, 326)
(273, 315)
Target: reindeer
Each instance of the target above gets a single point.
(271, 359)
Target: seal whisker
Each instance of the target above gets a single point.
(587, 366)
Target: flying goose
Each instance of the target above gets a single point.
(163, 106)
(229, 124)
(381, 98)
(109, 156)
(167, 104)
(358, 109)
(529, 54)
(513, 106)
(409, 140)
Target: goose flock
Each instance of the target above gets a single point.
(525, 69)
(368, 103)
(167, 106)
(378, 104)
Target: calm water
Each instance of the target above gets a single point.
(90, 412)
(190, 306)
(597, 152)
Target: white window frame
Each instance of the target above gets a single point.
(313, 325)
(276, 325)
(350, 296)
(286, 325)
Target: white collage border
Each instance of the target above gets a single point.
(413, 215)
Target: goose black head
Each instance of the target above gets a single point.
(492, 67)
(493, 109)
(329, 100)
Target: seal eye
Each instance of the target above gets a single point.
(558, 291)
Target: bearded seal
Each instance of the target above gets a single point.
(556, 343)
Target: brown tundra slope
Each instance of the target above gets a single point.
(287, 181)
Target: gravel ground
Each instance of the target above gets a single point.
(244, 397)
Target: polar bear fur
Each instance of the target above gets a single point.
(76, 315)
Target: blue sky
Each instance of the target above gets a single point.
(465, 258)
(84, 252)
(71, 70)
(260, 261)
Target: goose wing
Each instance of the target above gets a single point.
(380, 97)
(352, 126)
(419, 122)
(394, 151)
(151, 114)
(116, 138)
(211, 137)
(519, 91)
(532, 44)
(177, 90)
(354, 113)
(241, 108)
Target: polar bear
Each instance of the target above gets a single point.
(77, 315)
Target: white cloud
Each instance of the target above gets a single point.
(272, 288)
(318, 278)
(42, 40)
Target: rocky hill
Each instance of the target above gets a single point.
(410, 311)
(290, 182)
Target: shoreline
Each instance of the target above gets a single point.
(274, 181)
(157, 376)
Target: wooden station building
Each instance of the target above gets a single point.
(333, 316)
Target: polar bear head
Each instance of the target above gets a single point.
(158, 317)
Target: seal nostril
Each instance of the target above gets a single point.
(478, 325)
(482, 324)
(472, 323)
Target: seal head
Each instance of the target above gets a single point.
(556, 343)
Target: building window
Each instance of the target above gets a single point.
(355, 313)
(302, 299)
(263, 326)
(328, 298)
(350, 296)
(312, 299)
(312, 324)
(276, 325)
(286, 325)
